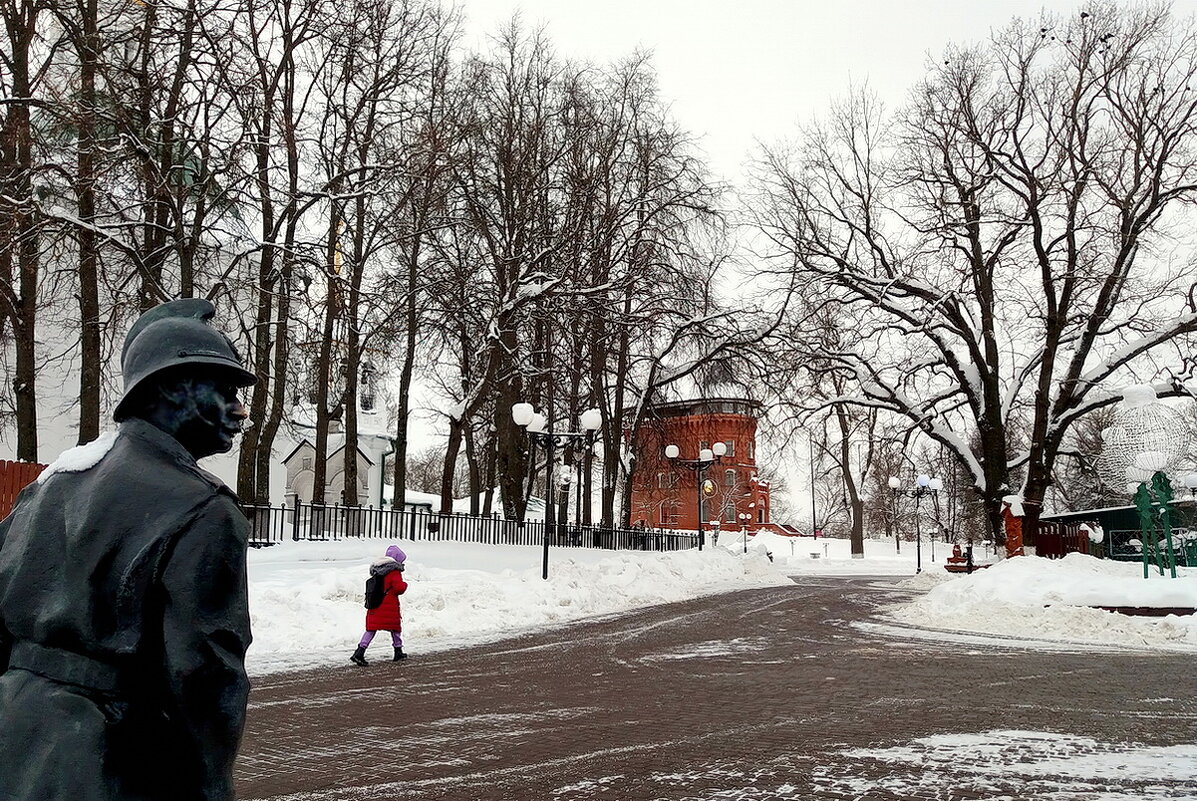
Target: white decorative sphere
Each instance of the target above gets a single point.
(1146, 437)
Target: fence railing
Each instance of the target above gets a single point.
(14, 477)
(306, 521)
(1126, 546)
(1057, 540)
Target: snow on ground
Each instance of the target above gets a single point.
(306, 597)
(795, 555)
(1029, 597)
(1041, 765)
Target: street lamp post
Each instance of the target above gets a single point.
(745, 518)
(926, 486)
(706, 458)
(536, 425)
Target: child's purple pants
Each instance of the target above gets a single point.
(368, 637)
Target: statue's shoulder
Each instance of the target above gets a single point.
(149, 458)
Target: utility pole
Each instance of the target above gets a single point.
(811, 442)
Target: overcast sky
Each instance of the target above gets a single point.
(739, 70)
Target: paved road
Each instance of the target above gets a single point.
(759, 694)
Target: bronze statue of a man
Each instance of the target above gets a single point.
(123, 611)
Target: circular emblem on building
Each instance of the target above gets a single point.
(708, 488)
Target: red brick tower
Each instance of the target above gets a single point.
(666, 495)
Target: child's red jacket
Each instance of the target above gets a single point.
(386, 617)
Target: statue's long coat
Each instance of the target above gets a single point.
(123, 604)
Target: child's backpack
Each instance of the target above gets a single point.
(375, 591)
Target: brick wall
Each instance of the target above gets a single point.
(665, 494)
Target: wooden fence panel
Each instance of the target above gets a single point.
(1057, 540)
(14, 477)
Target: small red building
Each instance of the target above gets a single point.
(666, 494)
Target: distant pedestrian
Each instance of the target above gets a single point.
(383, 589)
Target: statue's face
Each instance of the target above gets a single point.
(211, 418)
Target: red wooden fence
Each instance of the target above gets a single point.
(1056, 540)
(14, 477)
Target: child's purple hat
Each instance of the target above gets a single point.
(395, 553)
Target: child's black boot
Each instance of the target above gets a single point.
(399, 655)
(359, 657)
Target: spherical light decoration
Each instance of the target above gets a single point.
(522, 413)
(1144, 438)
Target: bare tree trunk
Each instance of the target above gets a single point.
(612, 464)
(474, 470)
(324, 365)
(264, 440)
(452, 449)
(20, 20)
(512, 464)
(406, 368)
(855, 503)
(491, 460)
(251, 444)
(85, 189)
(248, 471)
(353, 358)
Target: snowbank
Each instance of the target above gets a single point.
(1028, 597)
(306, 597)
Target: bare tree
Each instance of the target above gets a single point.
(1002, 242)
(25, 61)
(266, 70)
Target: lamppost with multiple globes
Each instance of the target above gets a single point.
(926, 485)
(745, 518)
(536, 425)
(706, 458)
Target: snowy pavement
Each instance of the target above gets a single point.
(771, 693)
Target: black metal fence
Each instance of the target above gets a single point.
(272, 524)
(1125, 546)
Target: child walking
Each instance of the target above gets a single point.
(382, 603)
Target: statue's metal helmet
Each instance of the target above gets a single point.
(172, 334)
